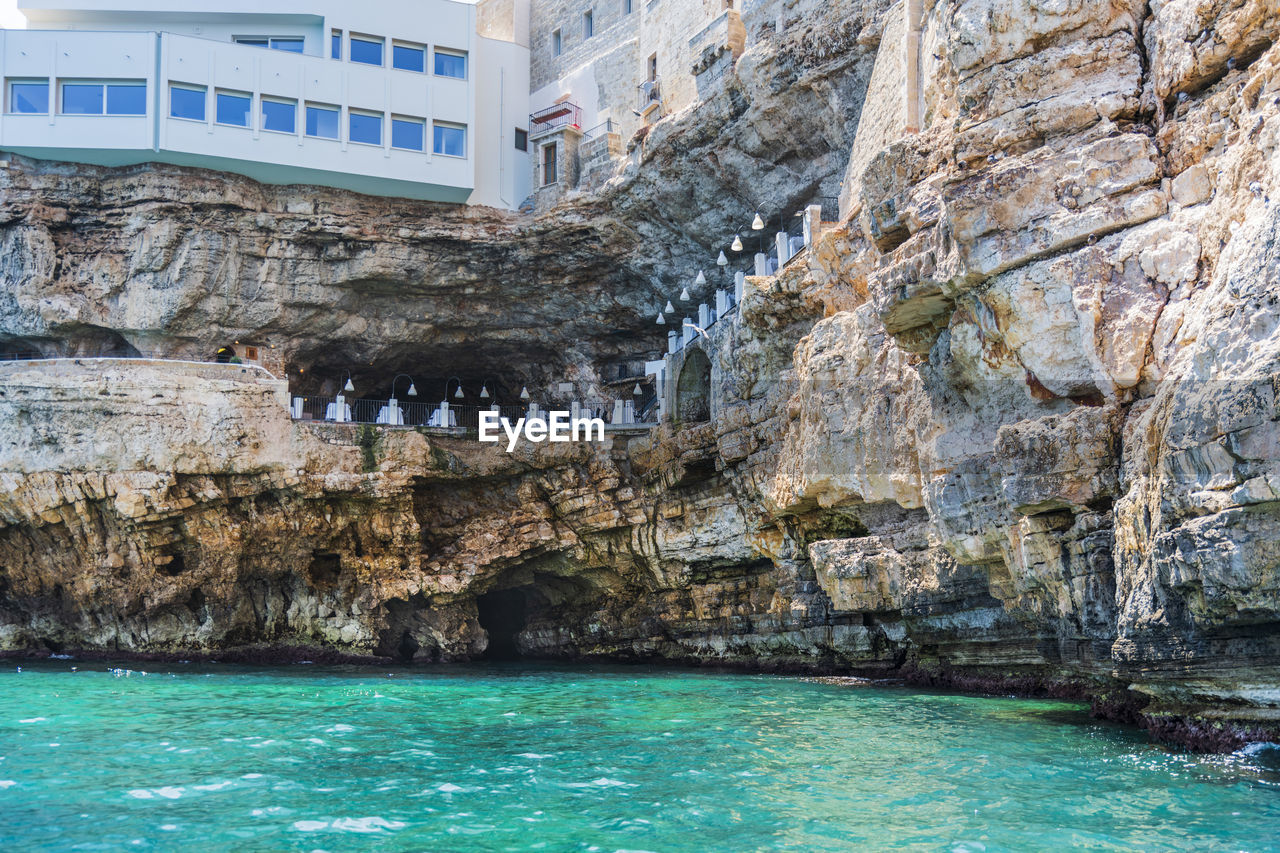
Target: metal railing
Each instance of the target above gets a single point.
(830, 207)
(606, 126)
(547, 119)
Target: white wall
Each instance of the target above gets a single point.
(491, 103)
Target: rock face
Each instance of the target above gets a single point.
(1011, 424)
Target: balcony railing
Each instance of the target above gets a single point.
(649, 95)
(554, 117)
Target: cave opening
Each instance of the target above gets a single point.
(502, 614)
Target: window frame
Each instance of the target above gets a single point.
(203, 91)
(588, 23)
(318, 106)
(268, 42)
(232, 93)
(353, 113)
(357, 38)
(522, 140)
(451, 53)
(628, 6)
(419, 122)
(281, 101)
(104, 85)
(410, 46)
(27, 81)
(448, 125)
(554, 148)
(335, 35)
(557, 42)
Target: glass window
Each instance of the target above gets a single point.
(588, 24)
(279, 115)
(555, 43)
(126, 99)
(408, 133)
(186, 102)
(409, 58)
(253, 41)
(366, 50)
(82, 99)
(451, 64)
(233, 108)
(626, 7)
(450, 140)
(322, 121)
(522, 139)
(335, 44)
(29, 97)
(291, 44)
(366, 128)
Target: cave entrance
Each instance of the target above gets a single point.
(693, 388)
(224, 354)
(502, 616)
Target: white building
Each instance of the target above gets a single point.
(389, 97)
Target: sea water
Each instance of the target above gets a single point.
(514, 757)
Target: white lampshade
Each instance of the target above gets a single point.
(524, 392)
(757, 224)
(662, 321)
(701, 279)
(722, 260)
(484, 391)
(637, 391)
(670, 309)
(684, 295)
(413, 391)
(737, 243)
(348, 386)
(458, 393)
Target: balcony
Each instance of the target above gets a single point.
(648, 97)
(555, 117)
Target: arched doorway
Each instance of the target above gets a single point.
(693, 388)
(224, 354)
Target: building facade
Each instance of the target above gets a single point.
(421, 100)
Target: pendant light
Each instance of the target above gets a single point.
(737, 243)
(662, 321)
(722, 260)
(458, 394)
(701, 279)
(757, 224)
(670, 309)
(524, 392)
(413, 391)
(348, 386)
(484, 391)
(684, 295)
(637, 391)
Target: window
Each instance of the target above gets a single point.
(186, 101)
(451, 63)
(409, 57)
(322, 121)
(29, 96)
(549, 164)
(366, 50)
(115, 99)
(627, 7)
(292, 44)
(408, 133)
(365, 128)
(555, 43)
(251, 353)
(653, 68)
(279, 115)
(335, 44)
(588, 24)
(232, 108)
(450, 140)
(522, 139)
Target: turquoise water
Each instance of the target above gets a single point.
(549, 758)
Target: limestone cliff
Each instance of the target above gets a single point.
(1011, 423)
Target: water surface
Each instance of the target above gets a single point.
(592, 758)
